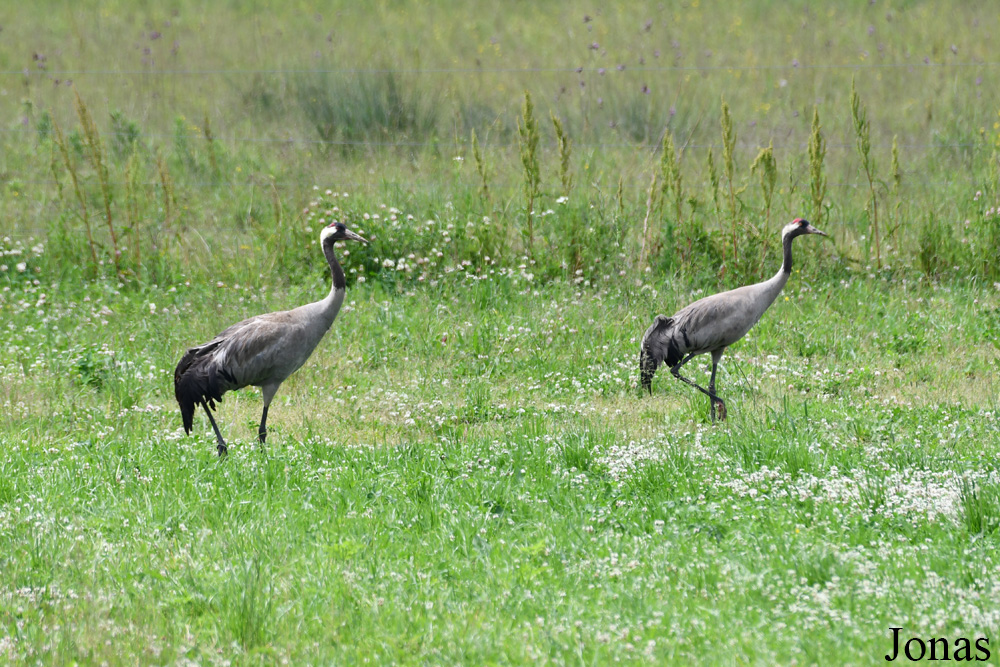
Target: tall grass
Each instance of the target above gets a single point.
(357, 112)
(670, 241)
(327, 116)
(980, 506)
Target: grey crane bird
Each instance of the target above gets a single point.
(714, 323)
(261, 351)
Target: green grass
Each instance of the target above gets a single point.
(465, 472)
(419, 501)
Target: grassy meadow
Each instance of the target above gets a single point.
(465, 471)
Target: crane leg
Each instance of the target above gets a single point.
(262, 431)
(711, 389)
(676, 370)
(267, 393)
(218, 436)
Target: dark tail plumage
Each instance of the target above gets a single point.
(197, 379)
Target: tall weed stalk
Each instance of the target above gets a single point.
(484, 182)
(817, 179)
(527, 132)
(92, 141)
(862, 132)
(71, 169)
(650, 199)
(565, 151)
(713, 177)
(766, 168)
(897, 179)
(671, 176)
(728, 168)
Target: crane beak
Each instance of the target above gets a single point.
(812, 230)
(351, 236)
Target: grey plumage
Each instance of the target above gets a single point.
(261, 351)
(712, 324)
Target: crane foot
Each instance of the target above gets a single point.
(223, 451)
(720, 408)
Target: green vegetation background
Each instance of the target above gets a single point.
(465, 472)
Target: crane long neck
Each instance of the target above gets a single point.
(770, 289)
(786, 263)
(331, 304)
(339, 282)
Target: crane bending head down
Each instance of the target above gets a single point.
(714, 323)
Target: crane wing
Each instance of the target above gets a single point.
(262, 349)
(243, 354)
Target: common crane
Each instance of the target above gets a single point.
(261, 351)
(714, 323)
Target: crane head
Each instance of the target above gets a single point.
(798, 227)
(647, 368)
(652, 349)
(337, 231)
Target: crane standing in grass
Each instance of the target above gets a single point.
(714, 323)
(261, 351)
